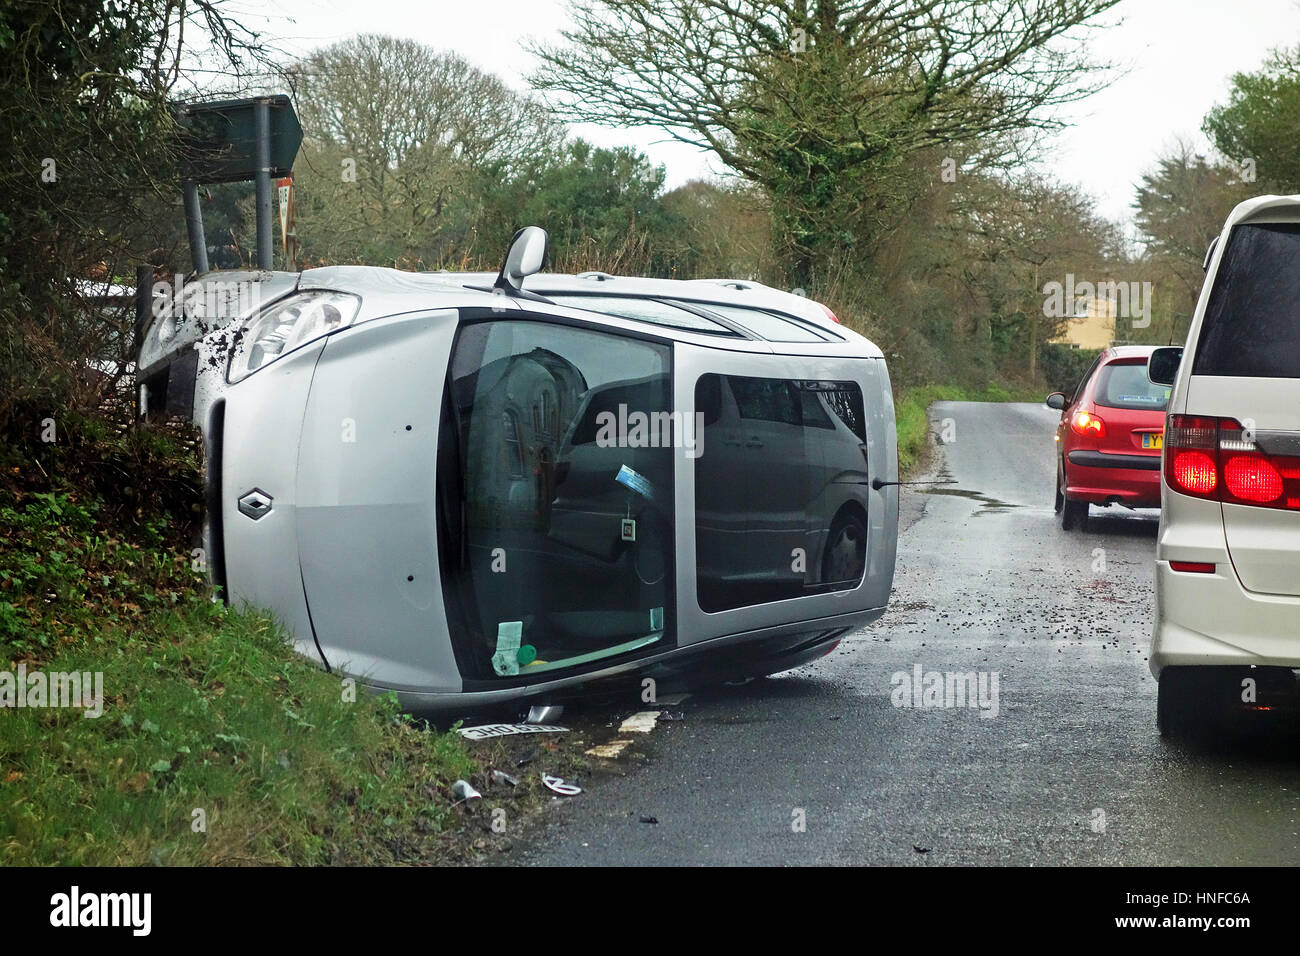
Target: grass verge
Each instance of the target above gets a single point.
(211, 741)
(218, 745)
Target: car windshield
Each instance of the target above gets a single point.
(1127, 386)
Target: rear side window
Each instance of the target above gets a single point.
(1252, 323)
(1127, 386)
(1083, 382)
(781, 483)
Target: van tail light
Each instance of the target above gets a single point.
(829, 314)
(1252, 478)
(1088, 425)
(1216, 459)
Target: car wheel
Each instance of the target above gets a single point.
(846, 549)
(1178, 707)
(1074, 514)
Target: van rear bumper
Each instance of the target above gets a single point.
(1211, 620)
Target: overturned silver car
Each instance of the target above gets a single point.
(472, 489)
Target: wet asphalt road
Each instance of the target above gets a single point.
(1070, 771)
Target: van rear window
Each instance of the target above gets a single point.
(1252, 322)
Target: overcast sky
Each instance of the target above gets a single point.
(1180, 56)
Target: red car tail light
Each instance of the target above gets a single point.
(1216, 459)
(1088, 425)
(1194, 472)
(1252, 478)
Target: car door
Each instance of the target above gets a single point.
(729, 589)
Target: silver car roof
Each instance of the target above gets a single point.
(390, 287)
(387, 291)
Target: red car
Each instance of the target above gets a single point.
(1110, 436)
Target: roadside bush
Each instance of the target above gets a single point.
(1061, 366)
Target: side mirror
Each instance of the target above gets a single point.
(1056, 400)
(1162, 367)
(526, 256)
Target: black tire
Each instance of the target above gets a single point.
(1074, 515)
(845, 557)
(1179, 707)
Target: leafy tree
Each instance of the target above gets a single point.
(599, 206)
(820, 101)
(1180, 206)
(1258, 127)
(89, 182)
(725, 232)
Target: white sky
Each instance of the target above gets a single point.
(1180, 56)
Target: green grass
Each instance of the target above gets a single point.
(210, 710)
(911, 405)
(204, 709)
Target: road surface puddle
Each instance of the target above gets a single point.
(987, 505)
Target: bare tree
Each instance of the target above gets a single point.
(412, 125)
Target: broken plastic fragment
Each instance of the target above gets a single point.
(640, 723)
(500, 776)
(610, 750)
(544, 713)
(559, 786)
(462, 791)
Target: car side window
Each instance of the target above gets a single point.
(764, 399)
(780, 512)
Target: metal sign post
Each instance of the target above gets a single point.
(235, 141)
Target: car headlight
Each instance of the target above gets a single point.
(287, 325)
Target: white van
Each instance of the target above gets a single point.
(472, 489)
(1227, 626)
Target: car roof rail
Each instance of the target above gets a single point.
(598, 276)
